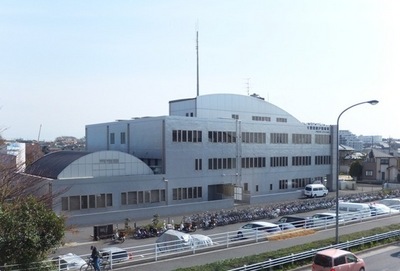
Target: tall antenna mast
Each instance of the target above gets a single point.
(248, 86)
(197, 53)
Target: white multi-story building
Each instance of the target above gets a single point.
(210, 151)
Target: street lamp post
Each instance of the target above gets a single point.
(372, 102)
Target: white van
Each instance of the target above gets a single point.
(315, 190)
(353, 210)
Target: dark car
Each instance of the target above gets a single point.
(297, 221)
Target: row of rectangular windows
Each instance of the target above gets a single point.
(187, 193)
(230, 137)
(248, 137)
(140, 197)
(259, 162)
(262, 118)
(323, 160)
(295, 183)
(301, 160)
(83, 202)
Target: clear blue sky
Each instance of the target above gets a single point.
(65, 64)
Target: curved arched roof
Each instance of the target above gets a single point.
(224, 105)
(73, 164)
(54, 163)
(241, 104)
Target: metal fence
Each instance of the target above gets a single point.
(271, 263)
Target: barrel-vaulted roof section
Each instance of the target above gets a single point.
(52, 164)
(242, 107)
(70, 164)
(240, 104)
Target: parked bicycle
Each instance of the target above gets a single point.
(104, 265)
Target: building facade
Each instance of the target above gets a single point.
(209, 152)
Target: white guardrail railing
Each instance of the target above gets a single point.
(158, 251)
(270, 263)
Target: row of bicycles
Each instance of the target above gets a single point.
(274, 210)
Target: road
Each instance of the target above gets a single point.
(381, 259)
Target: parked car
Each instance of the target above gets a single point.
(337, 259)
(117, 254)
(286, 226)
(353, 210)
(324, 219)
(297, 221)
(69, 261)
(200, 240)
(257, 228)
(382, 209)
(315, 190)
(393, 203)
(173, 240)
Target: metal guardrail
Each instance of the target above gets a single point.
(271, 263)
(151, 253)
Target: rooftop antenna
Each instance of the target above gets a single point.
(197, 54)
(248, 86)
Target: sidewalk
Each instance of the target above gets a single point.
(81, 235)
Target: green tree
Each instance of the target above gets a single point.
(28, 231)
(356, 170)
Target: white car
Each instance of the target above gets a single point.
(200, 240)
(117, 254)
(257, 229)
(392, 203)
(173, 240)
(68, 261)
(324, 219)
(382, 209)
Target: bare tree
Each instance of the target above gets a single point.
(15, 184)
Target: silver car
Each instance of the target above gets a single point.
(257, 229)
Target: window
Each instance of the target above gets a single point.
(301, 138)
(253, 162)
(301, 160)
(198, 164)
(261, 118)
(279, 138)
(250, 137)
(186, 136)
(64, 204)
(322, 139)
(283, 184)
(281, 161)
(322, 160)
(221, 136)
(369, 173)
(384, 161)
(112, 138)
(235, 116)
(221, 163)
(339, 260)
(84, 202)
(281, 120)
(123, 138)
(74, 203)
